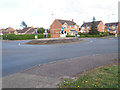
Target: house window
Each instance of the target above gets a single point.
(83, 27)
(88, 27)
(103, 27)
(70, 26)
(113, 27)
(65, 26)
(75, 27)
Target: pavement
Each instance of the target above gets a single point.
(51, 74)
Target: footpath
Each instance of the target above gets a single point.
(51, 74)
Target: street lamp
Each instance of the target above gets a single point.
(108, 22)
(1, 36)
(52, 26)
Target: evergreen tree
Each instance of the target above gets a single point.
(23, 24)
(94, 30)
(41, 30)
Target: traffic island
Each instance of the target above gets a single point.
(55, 41)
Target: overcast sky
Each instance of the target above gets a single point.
(38, 13)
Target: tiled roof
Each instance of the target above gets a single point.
(9, 29)
(23, 30)
(86, 24)
(31, 31)
(67, 21)
(111, 24)
(6, 32)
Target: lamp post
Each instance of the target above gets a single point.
(36, 37)
(52, 26)
(108, 29)
(1, 36)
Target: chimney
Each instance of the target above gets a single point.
(83, 21)
(72, 20)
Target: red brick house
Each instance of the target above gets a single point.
(69, 27)
(86, 26)
(8, 30)
(113, 27)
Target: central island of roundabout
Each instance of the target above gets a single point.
(48, 41)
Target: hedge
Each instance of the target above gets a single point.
(82, 36)
(23, 37)
(70, 36)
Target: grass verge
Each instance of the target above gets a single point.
(101, 77)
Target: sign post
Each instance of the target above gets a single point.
(45, 34)
(108, 30)
(75, 33)
(36, 37)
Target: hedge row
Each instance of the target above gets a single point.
(102, 34)
(86, 35)
(23, 37)
(82, 36)
(70, 36)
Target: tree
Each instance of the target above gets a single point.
(41, 30)
(23, 24)
(94, 30)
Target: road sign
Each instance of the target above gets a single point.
(108, 29)
(75, 32)
(62, 29)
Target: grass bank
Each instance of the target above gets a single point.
(101, 77)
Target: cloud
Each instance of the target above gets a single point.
(39, 12)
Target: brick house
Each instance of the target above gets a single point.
(27, 30)
(69, 27)
(86, 26)
(113, 27)
(8, 30)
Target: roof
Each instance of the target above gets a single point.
(31, 31)
(86, 24)
(7, 32)
(23, 30)
(66, 21)
(111, 24)
(9, 29)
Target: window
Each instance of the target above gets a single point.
(113, 27)
(103, 27)
(83, 27)
(65, 26)
(75, 27)
(70, 26)
(88, 27)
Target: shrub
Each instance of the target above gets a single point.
(22, 37)
(70, 36)
(96, 35)
(82, 36)
(49, 35)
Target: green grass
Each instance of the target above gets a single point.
(101, 77)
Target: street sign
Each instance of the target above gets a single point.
(36, 32)
(75, 32)
(62, 29)
(108, 29)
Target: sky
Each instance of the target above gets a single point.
(41, 13)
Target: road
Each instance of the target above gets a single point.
(17, 57)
